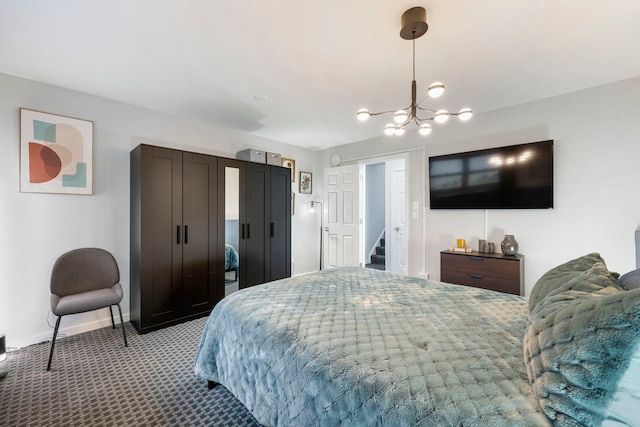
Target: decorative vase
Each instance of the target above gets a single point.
(509, 245)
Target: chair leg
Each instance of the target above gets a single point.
(53, 342)
(124, 334)
(113, 324)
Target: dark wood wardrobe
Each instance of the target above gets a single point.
(178, 232)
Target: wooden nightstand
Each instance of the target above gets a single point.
(497, 272)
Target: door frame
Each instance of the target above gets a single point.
(382, 159)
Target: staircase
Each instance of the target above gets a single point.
(377, 259)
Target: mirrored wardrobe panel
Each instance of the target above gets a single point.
(231, 229)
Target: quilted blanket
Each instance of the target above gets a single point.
(360, 347)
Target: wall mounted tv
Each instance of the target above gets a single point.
(513, 177)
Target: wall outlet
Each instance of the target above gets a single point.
(424, 276)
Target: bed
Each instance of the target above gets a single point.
(231, 260)
(361, 347)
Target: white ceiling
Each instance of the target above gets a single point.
(318, 62)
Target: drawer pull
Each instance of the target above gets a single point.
(476, 276)
(476, 258)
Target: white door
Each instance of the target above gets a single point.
(396, 217)
(342, 221)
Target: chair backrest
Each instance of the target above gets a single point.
(82, 270)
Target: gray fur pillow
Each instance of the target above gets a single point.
(579, 344)
(558, 276)
(631, 280)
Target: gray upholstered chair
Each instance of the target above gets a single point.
(84, 280)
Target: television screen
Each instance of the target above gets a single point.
(513, 177)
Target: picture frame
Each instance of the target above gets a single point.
(56, 153)
(305, 183)
(293, 203)
(291, 164)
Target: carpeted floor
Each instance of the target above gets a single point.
(96, 381)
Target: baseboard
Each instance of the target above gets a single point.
(67, 332)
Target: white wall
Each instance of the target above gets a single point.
(597, 158)
(36, 228)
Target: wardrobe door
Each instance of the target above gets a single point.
(255, 232)
(279, 252)
(201, 286)
(160, 228)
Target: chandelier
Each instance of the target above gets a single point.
(414, 25)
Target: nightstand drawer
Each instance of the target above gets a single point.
(481, 281)
(496, 272)
(473, 264)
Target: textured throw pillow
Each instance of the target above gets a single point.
(579, 344)
(631, 280)
(560, 275)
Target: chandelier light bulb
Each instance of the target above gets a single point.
(465, 114)
(425, 129)
(435, 89)
(363, 114)
(400, 116)
(389, 129)
(399, 131)
(441, 116)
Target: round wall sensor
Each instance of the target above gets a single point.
(335, 160)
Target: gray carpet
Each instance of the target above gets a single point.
(94, 380)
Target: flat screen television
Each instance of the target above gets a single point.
(513, 177)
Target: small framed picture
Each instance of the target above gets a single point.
(306, 183)
(291, 164)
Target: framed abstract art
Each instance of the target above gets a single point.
(56, 153)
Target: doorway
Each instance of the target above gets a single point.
(365, 216)
(383, 239)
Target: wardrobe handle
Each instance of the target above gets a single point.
(248, 231)
(186, 234)
(242, 232)
(272, 229)
(178, 235)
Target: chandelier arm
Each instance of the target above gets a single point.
(424, 100)
(406, 122)
(387, 112)
(426, 109)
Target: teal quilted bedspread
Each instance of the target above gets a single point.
(360, 347)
